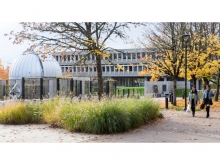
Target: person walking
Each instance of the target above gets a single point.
(193, 100)
(207, 99)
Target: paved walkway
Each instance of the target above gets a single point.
(177, 126)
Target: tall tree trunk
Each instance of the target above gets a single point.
(217, 90)
(194, 80)
(206, 81)
(174, 91)
(99, 76)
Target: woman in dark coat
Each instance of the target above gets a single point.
(207, 99)
(193, 100)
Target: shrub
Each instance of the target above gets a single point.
(108, 116)
(102, 117)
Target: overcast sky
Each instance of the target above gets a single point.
(12, 12)
(9, 51)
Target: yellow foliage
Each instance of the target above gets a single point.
(119, 67)
(181, 103)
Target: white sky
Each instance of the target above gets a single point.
(12, 12)
(9, 51)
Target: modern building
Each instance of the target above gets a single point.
(129, 59)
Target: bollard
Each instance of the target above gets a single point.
(171, 98)
(22, 88)
(166, 100)
(41, 88)
(128, 93)
(58, 86)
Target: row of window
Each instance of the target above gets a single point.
(113, 56)
(104, 69)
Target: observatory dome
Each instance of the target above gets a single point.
(32, 65)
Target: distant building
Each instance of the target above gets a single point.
(129, 59)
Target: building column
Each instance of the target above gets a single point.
(83, 88)
(145, 86)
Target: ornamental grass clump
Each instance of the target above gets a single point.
(24, 113)
(14, 113)
(102, 117)
(106, 116)
(50, 111)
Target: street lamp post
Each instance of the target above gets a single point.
(185, 39)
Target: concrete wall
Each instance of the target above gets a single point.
(169, 86)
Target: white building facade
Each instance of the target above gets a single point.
(129, 59)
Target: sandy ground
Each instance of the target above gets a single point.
(177, 126)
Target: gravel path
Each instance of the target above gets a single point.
(177, 126)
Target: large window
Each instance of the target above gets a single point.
(124, 55)
(135, 68)
(112, 68)
(140, 68)
(115, 56)
(138, 56)
(164, 88)
(119, 56)
(125, 68)
(133, 56)
(93, 57)
(129, 55)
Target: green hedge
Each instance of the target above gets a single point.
(137, 90)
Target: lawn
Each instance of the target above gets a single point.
(131, 90)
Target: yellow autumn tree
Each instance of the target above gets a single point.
(164, 39)
(202, 61)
